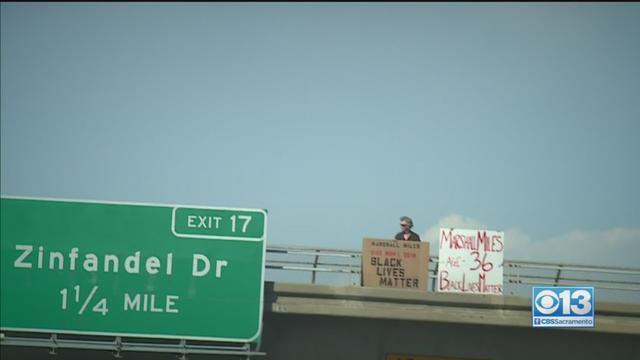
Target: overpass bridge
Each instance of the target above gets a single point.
(304, 321)
(314, 308)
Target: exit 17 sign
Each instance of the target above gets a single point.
(143, 270)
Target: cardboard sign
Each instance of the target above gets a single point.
(395, 264)
(470, 261)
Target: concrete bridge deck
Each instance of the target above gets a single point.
(397, 304)
(319, 322)
(303, 321)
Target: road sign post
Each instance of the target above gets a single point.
(132, 269)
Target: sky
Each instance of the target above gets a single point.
(338, 118)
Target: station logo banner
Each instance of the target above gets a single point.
(563, 307)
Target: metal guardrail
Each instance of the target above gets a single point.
(117, 346)
(517, 274)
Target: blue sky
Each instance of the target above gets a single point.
(338, 118)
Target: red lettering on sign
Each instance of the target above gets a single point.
(479, 286)
(453, 262)
(496, 243)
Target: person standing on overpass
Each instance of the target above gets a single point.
(406, 234)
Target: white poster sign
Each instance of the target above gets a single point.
(470, 261)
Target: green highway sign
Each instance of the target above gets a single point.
(143, 270)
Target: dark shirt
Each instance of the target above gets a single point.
(412, 236)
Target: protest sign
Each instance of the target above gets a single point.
(470, 261)
(395, 264)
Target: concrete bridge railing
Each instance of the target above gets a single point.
(339, 266)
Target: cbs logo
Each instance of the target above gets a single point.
(547, 302)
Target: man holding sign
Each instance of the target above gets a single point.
(406, 234)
